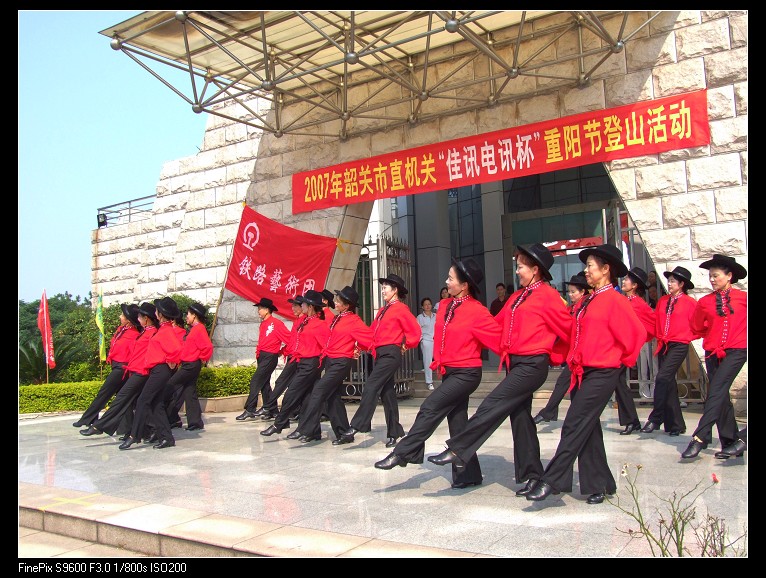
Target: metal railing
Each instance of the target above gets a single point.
(125, 212)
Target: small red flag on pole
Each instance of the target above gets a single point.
(44, 324)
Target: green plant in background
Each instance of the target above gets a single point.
(32, 367)
(669, 538)
(224, 381)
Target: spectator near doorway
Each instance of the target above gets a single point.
(498, 303)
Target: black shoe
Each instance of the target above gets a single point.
(127, 443)
(195, 427)
(307, 439)
(630, 428)
(122, 438)
(391, 461)
(343, 439)
(164, 444)
(271, 430)
(526, 489)
(461, 485)
(539, 419)
(294, 435)
(390, 442)
(79, 423)
(676, 432)
(447, 457)
(177, 424)
(152, 439)
(268, 416)
(324, 417)
(541, 491)
(258, 412)
(733, 450)
(649, 427)
(352, 431)
(90, 431)
(694, 449)
(596, 498)
(245, 415)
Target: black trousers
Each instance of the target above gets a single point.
(582, 438)
(182, 389)
(112, 384)
(280, 385)
(626, 405)
(150, 406)
(511, 398)
(299, 387)
(260, 382)
(667, 407)
(449, 400)
(326, 395)
(551, 409)
(718, 409)
(122, 404)
(381, 384)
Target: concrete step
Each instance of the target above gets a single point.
(489, 380)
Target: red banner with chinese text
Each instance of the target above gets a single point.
(44, 325)
(276, 261)
(643, 128)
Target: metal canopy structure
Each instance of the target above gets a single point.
(319, 57)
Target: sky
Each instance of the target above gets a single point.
(94, 130)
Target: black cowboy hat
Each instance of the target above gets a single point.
(131, 313)
(737, 270)
(297, 300)
(149, 310)
(578, 279)
(167, 307)
(314, 298)
(608, 253)
(397, 282)
(683, 274)
(638, 275)
(541, 255)
(471, 271)
(199, 310)
(267, 303)
(327, 294)
(349, 295)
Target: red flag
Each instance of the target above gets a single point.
(44, 324)
(276, 261)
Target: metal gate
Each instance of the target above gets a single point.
(378, 260)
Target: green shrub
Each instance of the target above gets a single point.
(53, 397)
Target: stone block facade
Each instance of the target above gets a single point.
(687, 204)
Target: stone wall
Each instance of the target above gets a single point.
(687, 204)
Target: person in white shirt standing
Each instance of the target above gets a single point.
(427, 320)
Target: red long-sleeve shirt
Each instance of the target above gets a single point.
(180, 332)
(721, 333)
(271, 335)
(122, 344)
(608, 333)
(137, 363)
(312, 338)
(471, 329)
(680, 329)
(197, 344)
(164, 346)
(645, 314)
(343, 336)
(398, 325)
(540, 322)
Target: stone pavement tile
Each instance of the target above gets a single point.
(217, 530)
(384, 549)
(301, 542)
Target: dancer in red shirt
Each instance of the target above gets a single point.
(196, 349)
(394, 330)
(464, 327)
(535, 334)
(606, 337)
(634, 288)
(120, 349)
(672, 318)
(336, 359)
(721, 318)
(311, 337)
